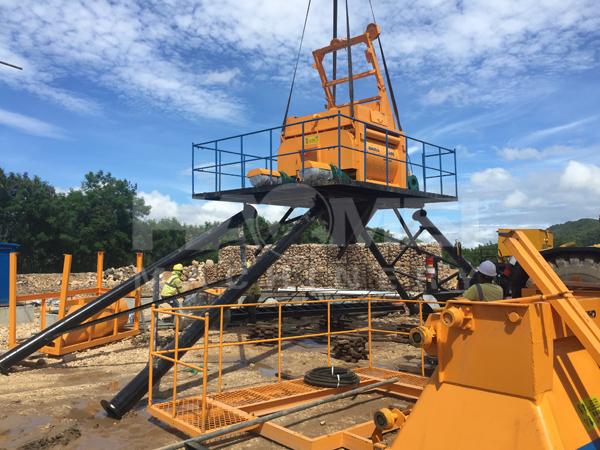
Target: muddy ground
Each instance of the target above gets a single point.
(58, 405)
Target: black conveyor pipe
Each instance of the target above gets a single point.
(137, 388)
(463, 265)
(46, 336)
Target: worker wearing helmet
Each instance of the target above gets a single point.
(252, 296)
(173, 285)
(485, 289)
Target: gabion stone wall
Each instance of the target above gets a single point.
(315, 265)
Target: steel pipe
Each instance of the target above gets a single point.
(56, 330)
(137, 388)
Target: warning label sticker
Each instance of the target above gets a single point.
(312, 140)
(589, 412)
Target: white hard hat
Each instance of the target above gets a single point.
(487, 268)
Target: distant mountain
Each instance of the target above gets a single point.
(583, 231)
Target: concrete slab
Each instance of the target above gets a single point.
(25, 314)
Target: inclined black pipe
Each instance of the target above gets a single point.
(57, 329)
(137, 388)
(389, 271)
(463, 265)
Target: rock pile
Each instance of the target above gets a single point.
(111, 276)
(403, 328)
(336, 323)
(262, 330)
(316, 265)
(350, 348)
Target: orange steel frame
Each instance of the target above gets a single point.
(198, 415)
(67, 299)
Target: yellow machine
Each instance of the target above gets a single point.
(360, 138)
(541, 239)
(513, 374)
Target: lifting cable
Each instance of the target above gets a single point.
(387, 75)
(350, 75)
(287, 109)
(389, 82)
(331, 377)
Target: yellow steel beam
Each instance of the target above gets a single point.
(549, 283)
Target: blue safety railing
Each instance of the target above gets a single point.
(224, 163)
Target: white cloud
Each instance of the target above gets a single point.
(580, 176)
(515, 199)
(512, 154)
(192, 57)
(558, 129)
(134, 50)
(455, 94)
(491, 177)
(29, 125)
(163, 207)
(493, 47)
(535, 198)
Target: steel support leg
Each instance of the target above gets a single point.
(137, 388)
(389, 271)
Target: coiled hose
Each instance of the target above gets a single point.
(331, 377)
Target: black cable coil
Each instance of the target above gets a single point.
(331, 377)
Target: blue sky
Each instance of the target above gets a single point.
(126, 87)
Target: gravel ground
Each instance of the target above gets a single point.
(58, 405)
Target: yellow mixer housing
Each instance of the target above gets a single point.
(368, 147)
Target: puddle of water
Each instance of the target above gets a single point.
(307, 345)
(85, 411)
(92, 376)
(17, 428)
(21, 424)
(116, 385)
(264, 372)
(164, 427)
(100, 443)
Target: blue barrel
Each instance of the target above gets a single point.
(5, 251)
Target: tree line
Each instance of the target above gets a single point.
(104, 214)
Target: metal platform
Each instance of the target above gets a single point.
(304, 194)
(234, 407)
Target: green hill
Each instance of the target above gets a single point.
(583, 231)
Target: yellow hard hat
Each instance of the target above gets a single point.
(248, 264)
(178, 268)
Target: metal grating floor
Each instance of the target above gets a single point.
(189, 411)
(385, 374)
(222, 409)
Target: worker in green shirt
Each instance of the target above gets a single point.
(173, 285)
(485, 289)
